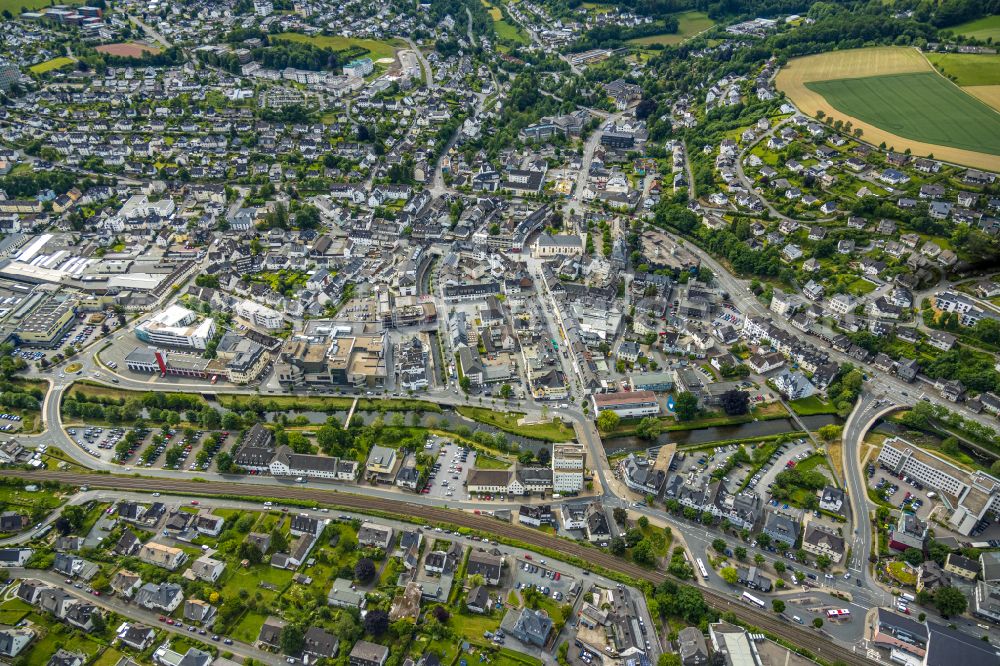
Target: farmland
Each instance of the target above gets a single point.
(689, 24)
(876, 90)
(983, 28)
(923, 107)
(968, 69)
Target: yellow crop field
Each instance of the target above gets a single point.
(872, 62)
(988, 94)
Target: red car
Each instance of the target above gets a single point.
(170, 622)
(162, 619)
(527, 556)
(194, 502)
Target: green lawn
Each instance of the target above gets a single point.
(489, 462)
(969, 69)
(922, 106)
(377, 49)
(860, 287)
(473, 626)
(901, 572)
(16, 6)
(983, 28)
(49, 65)
(689, 24)
(510, 33)
(248, 628)
(812, 405)
(555, 431)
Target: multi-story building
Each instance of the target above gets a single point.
(288, 463)
(568, 464)
(177, 327)
(898, 633)
(909, 532)
(972, 495)
(627, 404)
(259, 315)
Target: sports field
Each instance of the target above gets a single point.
(377, 49)
(689, 24)
(49, 65)
(983, 28)
(926, 114)
(968, 69)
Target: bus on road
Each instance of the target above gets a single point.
(701, 568)
(750, 599)
(837, 613)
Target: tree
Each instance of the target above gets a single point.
(648, 428)
(617, 546)
(376, 622)
(620, 515)
(364, 570)
(730, 575)
(735, 402)
(758, 559)
(823, 562)
(950, 601)
(686, 406)
(779, 566)
(740, 552)
(913, 556)
(465, 384)
(778, 605)
(719, 545)
(818, 622)
(829, 433)
(506, 391)
(643, 553)
(607, 421)
(291, 639)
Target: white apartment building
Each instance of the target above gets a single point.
(969, 495)
(260, 316)
(177, 327)
(568, 464)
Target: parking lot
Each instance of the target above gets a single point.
(907, 494)
(791, 452)
(540, 575)
(149, 448)
(448, 475)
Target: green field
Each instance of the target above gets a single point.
(15, 7)
(49, 65)
(377, 49)
(509, 33)
(554, 431)
(923, 107)
(969, 69)
(983, 28)
(689, 24)
(812, 405)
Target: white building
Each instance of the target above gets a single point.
(288, 463)
(263, 7)
(568, 464)
(971, 495)
(177, 327)
(260, 316)
(359, 68)
(628, 404)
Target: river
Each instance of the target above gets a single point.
(720, 433)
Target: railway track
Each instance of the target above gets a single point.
(821, 647)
